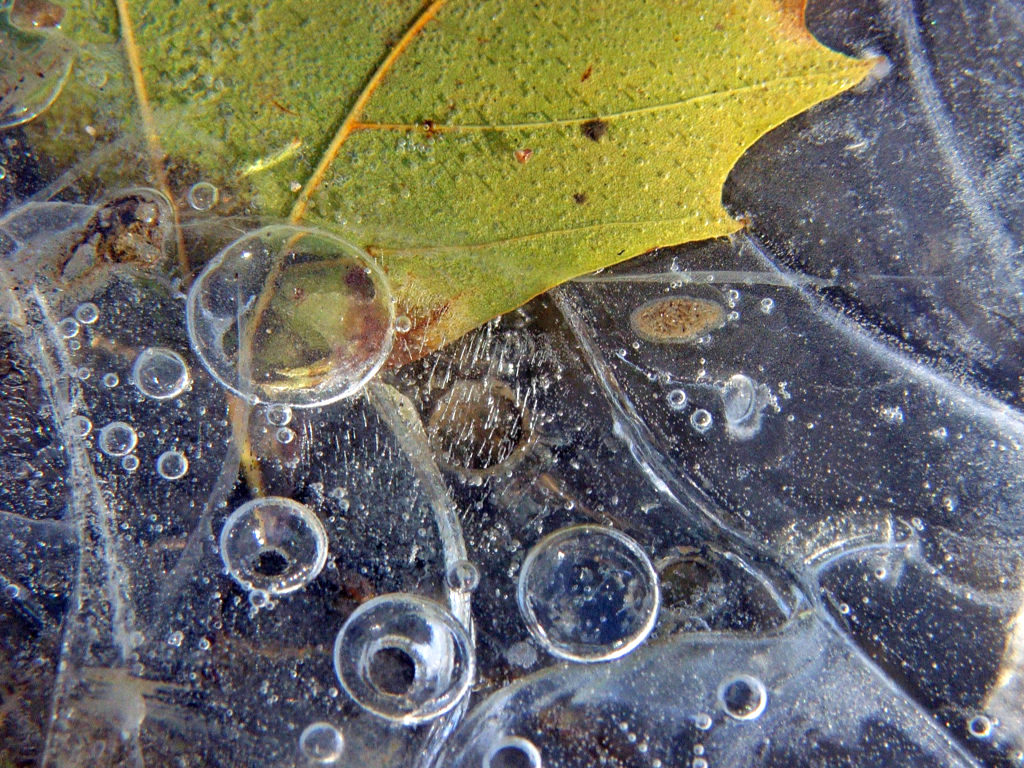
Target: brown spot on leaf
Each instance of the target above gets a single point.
(792, 24)
(523, 155)
(580, 198)
(587, 73)
(676, 319)
(594, 130)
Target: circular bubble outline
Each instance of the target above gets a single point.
(317, 727)
(193, 300)
(525, 746)
(301, 511)
(570, 653)
(751, 682)
(346, 666)
(151, 353)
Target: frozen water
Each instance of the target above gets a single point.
(811, 432)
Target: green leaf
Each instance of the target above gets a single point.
(482, 150)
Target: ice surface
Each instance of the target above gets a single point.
(825, 479)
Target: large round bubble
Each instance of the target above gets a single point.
(404, 658)
(291, 315)
(588, 593)
(273, 545)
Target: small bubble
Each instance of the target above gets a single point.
(284, 435)
(732, 296)
(980, 727)
(881, 573)
(68, 328)
(80, 426)
(74, 345)
(844, 609)
(739, 399)
(259, 599)
(767, 305)
(513, 752)
(84, 373)
(87, 313)
(700, 762)
(110, 380)
(278, 415)
(3, 173)
(203, 196)
(677, 399)
(322, 743)
(13, 591)
(403, 324)
(733, 316)
(118, 439)
(175, 638)
(130, 463)
(160, 373)
(703, 721)
(701, 420)
(172, 465)
(743, 697)
(463, 576)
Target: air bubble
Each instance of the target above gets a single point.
(160, 373)
(701, 420)
(118, 439)
(203, 196)
(676, 399)
(403, 324)
(80, 426)
(130, 463)
(176, 638)
(68, 328)
(35, 68)
(463, 576)
(980, 727)
(703, 721)
(743, 697)
(285, 435)
(291, 315)
(513, 752)
(739, 399)
(84, 372)
(278, 415)
(404, 658)
(172, 465)
(74, 345)
(110, 380)
(273, 545)
(767, 305)
(87, 313)
(321, 743)
(588, 593)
